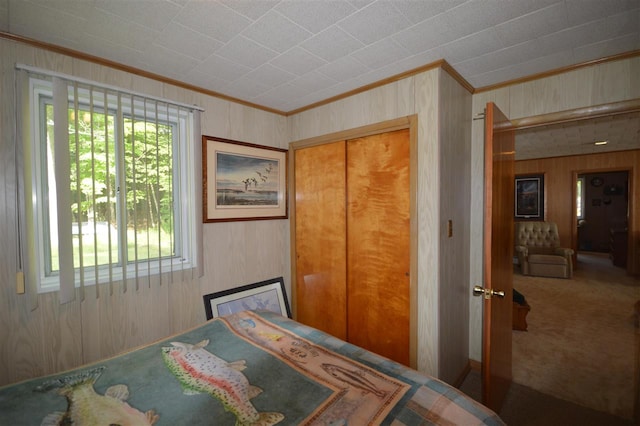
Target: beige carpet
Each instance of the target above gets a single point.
(581, 344)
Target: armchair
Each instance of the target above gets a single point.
(537, 246)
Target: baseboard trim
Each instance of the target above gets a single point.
(472, 364)
(458, 382)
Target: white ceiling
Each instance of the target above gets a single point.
(289, 54)
(621, 131)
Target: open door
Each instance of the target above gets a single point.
(498, 257)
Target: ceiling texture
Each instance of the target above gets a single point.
(284, 55)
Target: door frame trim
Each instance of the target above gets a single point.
(408, 122)
(576, 114)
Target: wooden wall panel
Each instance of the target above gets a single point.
(91, 308)
(596, 85)
(181, 294)
(377, 105)
(61, 332)
(426, 104)
(455, 201)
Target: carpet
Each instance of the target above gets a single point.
(524, 406)
(581, 345)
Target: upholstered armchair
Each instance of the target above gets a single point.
(537, 246)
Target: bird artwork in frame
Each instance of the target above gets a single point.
(243, 181)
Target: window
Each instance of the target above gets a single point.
(112, 190)
(580, 198)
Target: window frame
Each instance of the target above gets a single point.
(580, 192)
(184, 239)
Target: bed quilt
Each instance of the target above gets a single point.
(249, 368)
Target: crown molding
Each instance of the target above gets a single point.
(442, 63)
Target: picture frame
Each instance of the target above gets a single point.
(269, 294)
(529, 197)
(243, 181)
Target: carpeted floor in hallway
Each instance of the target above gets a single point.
(581, 344)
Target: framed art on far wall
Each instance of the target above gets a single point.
(529, 197)
(243, 181)
(268, 295)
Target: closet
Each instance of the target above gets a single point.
(352, 241)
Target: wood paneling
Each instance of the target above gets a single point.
(455, 170)
(560, 175)
(559, 71)
(321, 237)
(378, 244)
(429, 178)
(440, 64)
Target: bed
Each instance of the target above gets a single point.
(247, 368)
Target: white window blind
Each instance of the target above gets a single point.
(110, 187)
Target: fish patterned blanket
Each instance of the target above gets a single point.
(249, 368)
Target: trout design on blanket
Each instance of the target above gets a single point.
(87, 407)
(200, 371)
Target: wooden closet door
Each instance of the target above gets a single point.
(320, 238)
(378, 244)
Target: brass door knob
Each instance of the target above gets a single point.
(487, 292)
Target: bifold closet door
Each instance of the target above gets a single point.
(378, 244)
(320, 215)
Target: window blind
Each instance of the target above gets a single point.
(121, 203)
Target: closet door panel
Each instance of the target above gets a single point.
(378, 248)
(320, 234)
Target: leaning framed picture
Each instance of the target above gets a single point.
(243, 181)
(529, 197)
(268, 295)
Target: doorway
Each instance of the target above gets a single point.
(602, 214)
(562, 145)
(593, 230)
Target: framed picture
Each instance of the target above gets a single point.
(529, 197)
(270, 295)
(243, 181)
